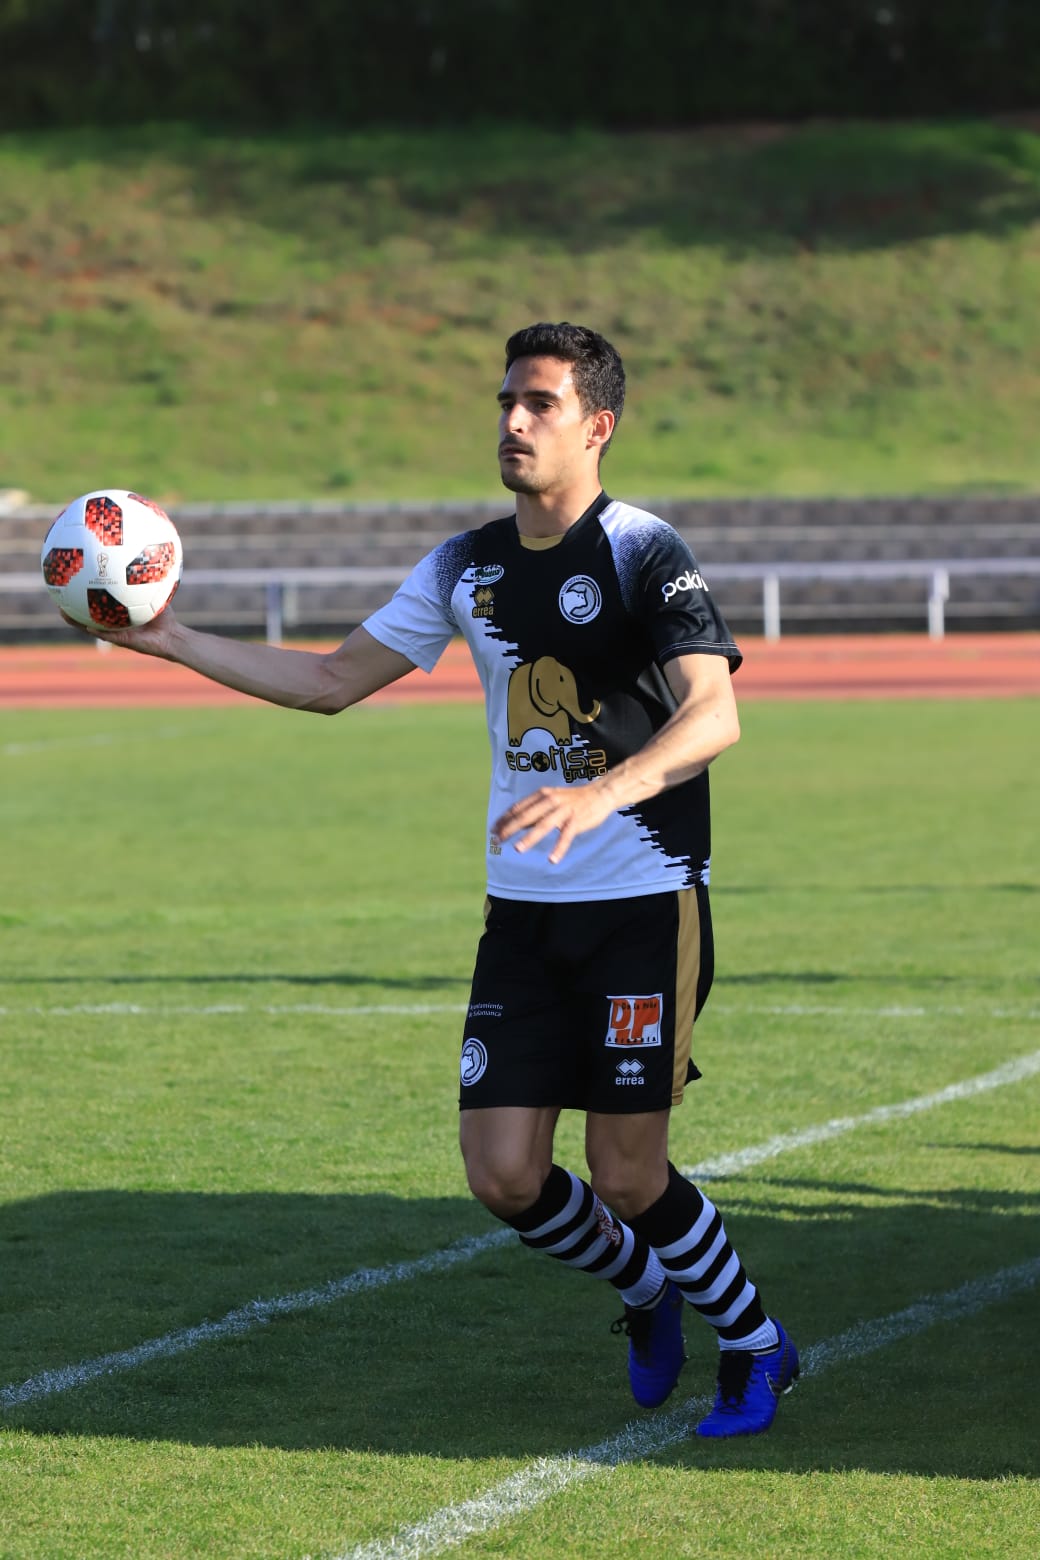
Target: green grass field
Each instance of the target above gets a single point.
(804, 310)
(236, 945)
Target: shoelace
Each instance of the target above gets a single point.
(734, 1375)
(635, 1325)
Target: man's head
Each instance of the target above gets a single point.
(563, 392)
(596, 366)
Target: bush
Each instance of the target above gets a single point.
(261, 63)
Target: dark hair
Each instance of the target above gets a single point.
(599, 374)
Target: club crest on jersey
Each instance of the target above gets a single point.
(580, 599)
(634, 1021)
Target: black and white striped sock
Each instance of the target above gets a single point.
(570, 1223)
(686, 1230)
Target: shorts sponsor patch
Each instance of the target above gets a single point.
(634, 1021)
(474, 1062)
(485, 1010)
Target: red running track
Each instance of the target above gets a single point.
(891, 666)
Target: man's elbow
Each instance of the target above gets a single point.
(335, 691)
(727, 726)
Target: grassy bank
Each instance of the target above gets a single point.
(850, 309)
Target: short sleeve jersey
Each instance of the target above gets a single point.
(570, 642)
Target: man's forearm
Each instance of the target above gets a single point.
(683, 748)
(295, 679)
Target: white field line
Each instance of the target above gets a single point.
(346, 1010)
(246, 1318)
(258, 1312)
(98, 739)
(519, 1494)
(221, 1009)
(757, 1153)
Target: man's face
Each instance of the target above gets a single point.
(545, 440)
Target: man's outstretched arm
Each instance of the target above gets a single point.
(295, 679)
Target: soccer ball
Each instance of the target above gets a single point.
(112, 559)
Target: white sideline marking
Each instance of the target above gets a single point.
(258, 1312)
(756, 1154)
(217, 1009)
(340, 1010)
(245, 1318)
(99, 739)
(547, 1476)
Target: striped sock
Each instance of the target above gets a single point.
(568, 1221)
(686, 1230)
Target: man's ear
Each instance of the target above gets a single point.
(601, 428)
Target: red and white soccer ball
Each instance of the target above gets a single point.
(112, 559)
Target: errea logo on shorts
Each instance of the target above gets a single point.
(690, 579)
(634, 1021)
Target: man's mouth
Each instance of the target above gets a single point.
(513, 449)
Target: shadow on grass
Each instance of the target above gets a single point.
(502, 1354)
(273, 977)
(856, 186)
(875, 888)
(871, 978)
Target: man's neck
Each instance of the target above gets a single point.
(551, 514)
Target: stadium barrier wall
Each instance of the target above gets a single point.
(817, 565)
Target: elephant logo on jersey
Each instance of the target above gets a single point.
(580, 599)
(543, 696)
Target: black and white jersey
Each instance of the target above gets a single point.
(569, 640)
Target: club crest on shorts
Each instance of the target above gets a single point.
(474, 1062)
(635, 1021)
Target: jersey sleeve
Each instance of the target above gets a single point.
(418, 620)
(671, 597)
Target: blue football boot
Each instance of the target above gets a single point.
(656, 1348)
(750, 1386)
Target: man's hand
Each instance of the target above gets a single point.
(148, 638)
(702, 726)
(570, 809)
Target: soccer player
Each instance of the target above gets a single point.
(606, 669)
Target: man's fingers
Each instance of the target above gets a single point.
(522, 815)
(545, 810)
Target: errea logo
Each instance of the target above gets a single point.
(690, 579)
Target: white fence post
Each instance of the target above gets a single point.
(273, 611)
(771, 606)
(940, 595)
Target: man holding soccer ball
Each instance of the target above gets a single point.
(606, 669)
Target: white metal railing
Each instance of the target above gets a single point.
(937, 574)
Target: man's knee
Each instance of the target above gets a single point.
(504, 1188)
(627, 1190)
(628, 1170)
(505, 1169)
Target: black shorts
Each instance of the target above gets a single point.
(589, 1005)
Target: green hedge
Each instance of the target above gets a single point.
(618, 63)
